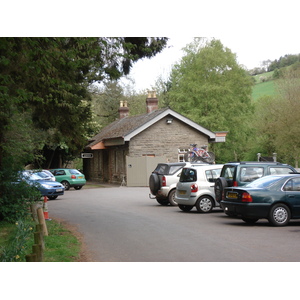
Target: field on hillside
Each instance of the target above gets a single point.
(263, 89)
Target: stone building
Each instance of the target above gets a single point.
(128, 149)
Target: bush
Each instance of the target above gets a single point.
(16, 198)
(18, 243)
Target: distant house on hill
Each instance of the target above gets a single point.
(128, 149)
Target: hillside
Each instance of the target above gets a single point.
(264, 85)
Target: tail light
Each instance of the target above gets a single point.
(73, 176)
(194, 188)
(246, 197)
(164, 182)
(235, 183)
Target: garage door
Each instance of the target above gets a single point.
(140, 168)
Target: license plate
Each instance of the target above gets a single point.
(59, 190)
(232, 195)
(182, 192)
(80, 177)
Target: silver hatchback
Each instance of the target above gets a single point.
(196, 188)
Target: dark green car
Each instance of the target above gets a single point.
(69, 178)
(274, 197)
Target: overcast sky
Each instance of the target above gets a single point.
(251, 51)
(255, 30)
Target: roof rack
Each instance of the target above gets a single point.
(256, 162)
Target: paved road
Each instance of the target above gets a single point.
(121, 224)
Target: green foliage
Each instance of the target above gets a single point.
(275, 127)
(15, 196)
(48, 79)
(209, 87)
(284, 61)
(17, 239)
(17, 245)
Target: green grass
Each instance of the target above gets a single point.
(266, 88)
(263, 89)
(61, 245)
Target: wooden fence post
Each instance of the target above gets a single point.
(42, 221)
(31, 257)
(37, 249)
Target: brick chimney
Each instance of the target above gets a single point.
(123, 110)
(151, 101)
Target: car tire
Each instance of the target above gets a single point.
(171, 198)
(154, 183)
(78, 187)
(66, 185)
(185, 207)
(204, 204)
(52, 197)
(220, 184)
(279, 215)
(163, 202)
(250, 220)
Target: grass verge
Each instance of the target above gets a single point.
(61, 244)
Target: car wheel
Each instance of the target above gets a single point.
(250, 220)
(220, 184)
(154, 183)
(77, 187)
(185, 207)
(52, 197)
(162, 201)
(279, 215)
(204, 204)
(66, 185)
(172, 198)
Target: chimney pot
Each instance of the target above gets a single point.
(123, 110)
(151, 101)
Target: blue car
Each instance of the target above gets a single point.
(51, 189)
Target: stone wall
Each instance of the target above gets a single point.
(163, 139)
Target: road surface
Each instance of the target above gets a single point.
(121, 224)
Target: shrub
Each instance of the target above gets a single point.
(16, 198)
(17, 245)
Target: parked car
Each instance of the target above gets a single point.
(241, 173)
(69, 178)
(49, 188)
(45, 174)
(196, 188)
(163, 180)
(273, 197)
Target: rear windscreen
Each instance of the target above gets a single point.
(188, 175)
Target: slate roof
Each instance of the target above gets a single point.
(129, 126)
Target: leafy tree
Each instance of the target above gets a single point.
(49, 79)
(276, 119)
(44, 93)
(209, 87)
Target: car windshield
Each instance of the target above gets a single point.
(31, 176)
(43, 174)
(264, 182)
(74, 172)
